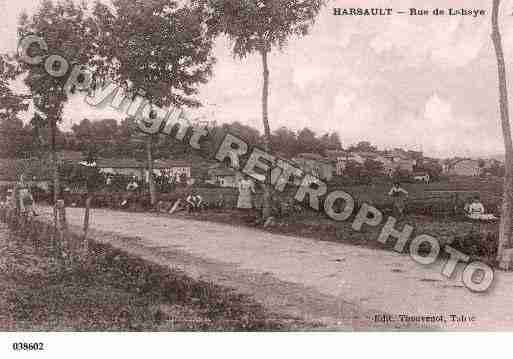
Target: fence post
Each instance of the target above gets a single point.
(86, 225)
(61, 230)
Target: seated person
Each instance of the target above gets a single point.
(124, 203)
(133, 185)
(194, 202)
(26, 201)
(476, 210)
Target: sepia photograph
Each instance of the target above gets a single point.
(242, 166)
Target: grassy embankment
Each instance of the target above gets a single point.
(116, 292)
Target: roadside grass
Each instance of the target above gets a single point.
(117, 292)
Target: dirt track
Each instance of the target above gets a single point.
(341, 285)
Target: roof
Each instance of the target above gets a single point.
(222, 171)
(119, 163)
(171, 163)
(467, 160)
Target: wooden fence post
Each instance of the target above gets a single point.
(86, 225)
(61, 230)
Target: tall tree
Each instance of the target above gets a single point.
(259, 26)
(284, 142)
(334, 142)
(160, 47)
(308, 141)
(66, 31)
(505, 227)
(12, 131)
(99, 137)
(39, 125)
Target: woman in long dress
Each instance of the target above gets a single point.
(399, 196)
(246, 190)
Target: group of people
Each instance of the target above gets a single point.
(246, 189)
(473, 209)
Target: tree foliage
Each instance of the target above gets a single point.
(14, 136)
(67, 32)
(259, 25)
(159, 46)
(363, 146)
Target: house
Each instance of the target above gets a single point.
(121, 166)
(341, 158)
(315, 164)
(492, 167)
(223, 176)
(398, 159)
(173, 168)
(35, 172)
(463, 167)
(131, 167)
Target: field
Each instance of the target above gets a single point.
(431, 211)
(448, 191)
(434, 209)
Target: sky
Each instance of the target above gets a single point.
(419, 82)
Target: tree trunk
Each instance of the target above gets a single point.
(505, 229)
(151, 182)
(266, 205)
(55, 168)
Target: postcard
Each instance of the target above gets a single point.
(255, 166)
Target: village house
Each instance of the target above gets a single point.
(131, 167)
(223, 176)
(172, 168)
(398, 159)
(462, 167)
(341, 158)
(315, 164)
(391, 160)
(35, 172)
(120, 166)
(489, 164)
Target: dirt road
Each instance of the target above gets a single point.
(340, 285)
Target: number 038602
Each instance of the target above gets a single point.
(27, 346)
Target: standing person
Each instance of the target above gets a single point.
(246, 190)
(131, 188)
(399, 196)
(26, 201)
